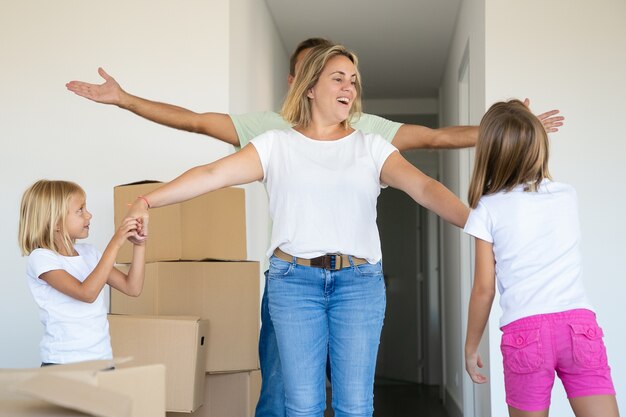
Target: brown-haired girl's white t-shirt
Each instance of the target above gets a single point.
(536, 244)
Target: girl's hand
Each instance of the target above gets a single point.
(127, 230)
(138, 239)
(472, 361)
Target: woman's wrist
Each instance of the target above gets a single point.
(145, 202)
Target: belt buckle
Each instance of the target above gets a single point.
(330, 261)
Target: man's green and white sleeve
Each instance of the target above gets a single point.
(369, 123)
(251, 125)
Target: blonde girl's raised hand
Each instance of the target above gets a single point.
(127, 231)
(104, 272)
(132, 282)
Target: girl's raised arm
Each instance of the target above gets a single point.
(132, 282)
(89, 290)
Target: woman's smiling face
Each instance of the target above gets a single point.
(335, 91)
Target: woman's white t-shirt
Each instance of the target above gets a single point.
(74, 330)
(322, 194)
(536, 243)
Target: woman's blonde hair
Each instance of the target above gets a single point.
(512, 149)
(297, 106)
(43, 211)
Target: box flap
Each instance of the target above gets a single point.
(95, 366)
(139, 182)
(76, 395)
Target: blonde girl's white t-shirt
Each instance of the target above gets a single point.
(322, 194)
(74, 330)
(536, 243)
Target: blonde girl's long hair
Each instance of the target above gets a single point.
(43, 212)
(512, 149)
(297, 106)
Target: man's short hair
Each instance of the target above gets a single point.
(305, 44)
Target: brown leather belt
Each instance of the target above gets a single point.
(331, 261)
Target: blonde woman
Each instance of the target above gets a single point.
(325, 285)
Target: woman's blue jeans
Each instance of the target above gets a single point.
(317, 312)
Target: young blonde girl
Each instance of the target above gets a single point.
(527, 236)
(66, 278)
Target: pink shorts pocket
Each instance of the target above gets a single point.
(521, 350)
(587, 345)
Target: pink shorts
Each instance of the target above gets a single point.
(569, 342)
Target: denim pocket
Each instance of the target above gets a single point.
(368, 269)
(521, 350)
(587, 345)
(279, 268)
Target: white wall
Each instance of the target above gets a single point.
(570, 57)
(177, 52)
(258, 59)
(258, 72)
(467, 44)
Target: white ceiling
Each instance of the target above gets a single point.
(402, 45)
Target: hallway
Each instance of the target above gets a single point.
(400, 399)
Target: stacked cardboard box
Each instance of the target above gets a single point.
(211, 226)
(199, 309)
(177, 341)
(228, 394)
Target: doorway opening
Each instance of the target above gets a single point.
(410, 353)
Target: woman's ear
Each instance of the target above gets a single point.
(310, 94)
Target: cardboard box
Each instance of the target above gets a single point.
(211, 226)
(225, 293)
(84, 389)
(229, 395)
(179, 343)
